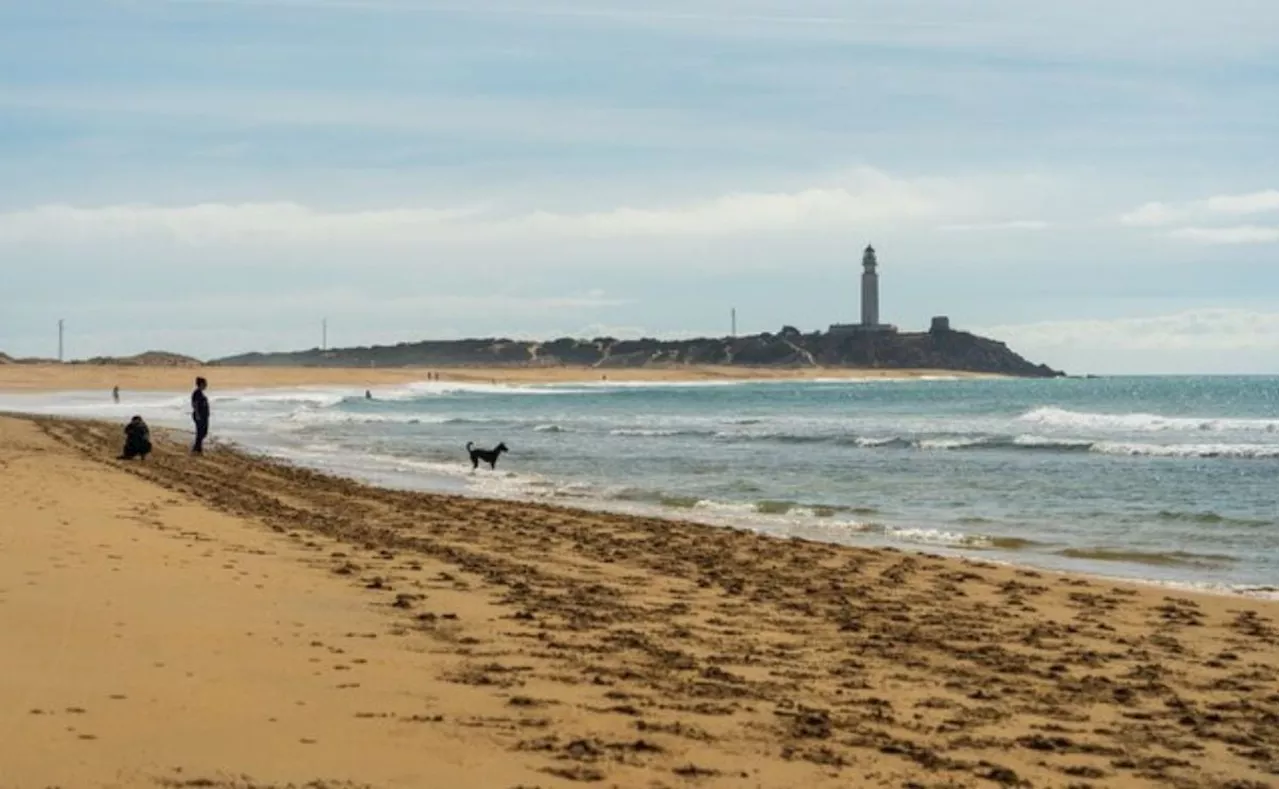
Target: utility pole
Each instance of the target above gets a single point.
(59, 339)
(733, 322)
(324, 334)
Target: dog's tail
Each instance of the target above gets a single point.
(469, 444)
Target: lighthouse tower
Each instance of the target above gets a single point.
(870, 301)
(870, 289)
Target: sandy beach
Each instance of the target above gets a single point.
(225, 621)
(53, 377)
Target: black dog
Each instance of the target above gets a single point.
(489, 456)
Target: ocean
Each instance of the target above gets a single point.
(1163, 479)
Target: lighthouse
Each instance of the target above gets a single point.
(870, 321)
(870, 289)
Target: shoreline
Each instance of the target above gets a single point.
(921, 538)
(681, 515)
(541, 645)
(85, 377)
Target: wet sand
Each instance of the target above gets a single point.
(53, 377)
(188, 620)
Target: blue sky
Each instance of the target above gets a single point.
(1094, 183)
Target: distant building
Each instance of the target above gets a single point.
(870, 300)
(940, 323)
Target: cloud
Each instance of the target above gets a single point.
(1015, 224)
(1189, 330)
(1200, 221)
(1152, 215)
(864, 197)
(1183, 29)
(1238, 234)
(1251, 203)
(1162, 214)
(520, 120)
(358, 305)
(871, 198)
(217, 222)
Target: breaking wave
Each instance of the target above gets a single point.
(1050, 416)
(1031, 443)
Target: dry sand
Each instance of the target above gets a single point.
(188, 620)
(50, 377)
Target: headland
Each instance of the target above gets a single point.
(941, 348)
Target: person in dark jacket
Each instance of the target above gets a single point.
(137, 440)
(200, 413)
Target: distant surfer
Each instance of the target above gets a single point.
(115, 394)
(368, 395)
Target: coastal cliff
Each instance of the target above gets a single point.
(943, 350)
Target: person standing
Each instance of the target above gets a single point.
(200, 413)
(115, 394)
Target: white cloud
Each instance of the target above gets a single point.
(1252, 203)
(1201, 221)
(1190, 330)
(217, 222)
(1237, 234)
(474, 118)
(1219, 206)
(360, 305)
(864, 197)
(1152, 215)
(1014, 224)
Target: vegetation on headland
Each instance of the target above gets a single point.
(145, 359)
(789, 348)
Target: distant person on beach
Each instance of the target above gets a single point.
(200, 413)
(137, 440)
(115, 394)
(368, 395)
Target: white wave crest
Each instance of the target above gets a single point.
(1051, 416)
(1187, 450)
(312, 416)
(648, 432)
(950, 443)
(938, 537)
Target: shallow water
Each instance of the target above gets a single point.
(1162, 478)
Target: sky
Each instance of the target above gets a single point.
(1093, 183)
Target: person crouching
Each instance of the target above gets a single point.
(137, 440)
